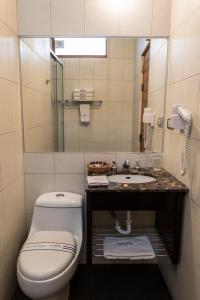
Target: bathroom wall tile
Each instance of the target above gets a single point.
(191, 7)
(115, 90)
(116, 48)
(69, 163)
(11, 157)
(74, 183)
(115, 69)
(176, 55)
(10, 102)
(191, 242)
(71, 68)
(196, 173)
(161, 17)
(9, 54)
(132, 157)
(101, 69)
(67, 17)
(99, 132)
(38, 163)
(188, 279)
(115, 111)
(129, 48)
(178, 13)
(29, 24)
(192, 44)
(130, 17)
(127, 111)
(13, 206)
(100, 18)
(128, 69)
(3, 10)
(12, 14)
(127, 132)
(114, 132)
(86, 69)
(127, 90)
(13, 228)
(35, 185)
(170, 158)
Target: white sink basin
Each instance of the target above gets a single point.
(130, 179)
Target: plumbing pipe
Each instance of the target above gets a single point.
(128, 223)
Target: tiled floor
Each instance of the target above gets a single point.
(116, 282)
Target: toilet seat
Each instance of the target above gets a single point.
(46, 254)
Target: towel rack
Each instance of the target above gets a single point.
(75, 104)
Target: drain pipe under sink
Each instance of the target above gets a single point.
(128, 223)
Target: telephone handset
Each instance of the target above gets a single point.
(181, 119)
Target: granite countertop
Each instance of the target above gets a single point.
(165, 182)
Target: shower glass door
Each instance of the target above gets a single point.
(57, 103)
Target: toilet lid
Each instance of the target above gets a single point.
(46, 254)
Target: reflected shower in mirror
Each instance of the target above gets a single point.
(90, 94)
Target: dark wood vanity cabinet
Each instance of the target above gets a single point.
(167, 202)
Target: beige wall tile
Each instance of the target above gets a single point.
(3, 10)
(86, 69)
(178, 13)
(12, 205)
(161, 17)
(116, 48)
(67, 17)
(101, 69)
(13, 234)
(99, 19)
(192, 44)
(176, 54)
(35, 185)
(71, 163)
(71, 68)
(34, 17)
(73, 183)
(38, 163)
(11, 157)
(130, 17)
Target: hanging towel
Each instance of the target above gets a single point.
(128, 248)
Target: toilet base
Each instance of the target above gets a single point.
(62, 295)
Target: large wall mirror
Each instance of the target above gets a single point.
(90, 94)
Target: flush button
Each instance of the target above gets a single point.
(60, 195)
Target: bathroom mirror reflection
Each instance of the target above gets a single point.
(89, 94)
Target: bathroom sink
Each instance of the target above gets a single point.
(130, 179)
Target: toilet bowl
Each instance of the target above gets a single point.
(49, 256)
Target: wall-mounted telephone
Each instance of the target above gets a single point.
(181, 119)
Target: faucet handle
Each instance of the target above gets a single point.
(126, 164)
(114, 166)
(137, 165)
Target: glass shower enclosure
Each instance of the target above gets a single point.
(57, 103)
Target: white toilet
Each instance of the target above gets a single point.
(49, 257)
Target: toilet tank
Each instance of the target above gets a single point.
(61, 211)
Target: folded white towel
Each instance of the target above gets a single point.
(83, 90)
(97, 180)
(128, 248)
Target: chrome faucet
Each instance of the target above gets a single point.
(114, 166)
(137, 165)
(126, 164)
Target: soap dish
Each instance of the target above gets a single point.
(98, 167)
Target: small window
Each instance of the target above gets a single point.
(80, 47)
